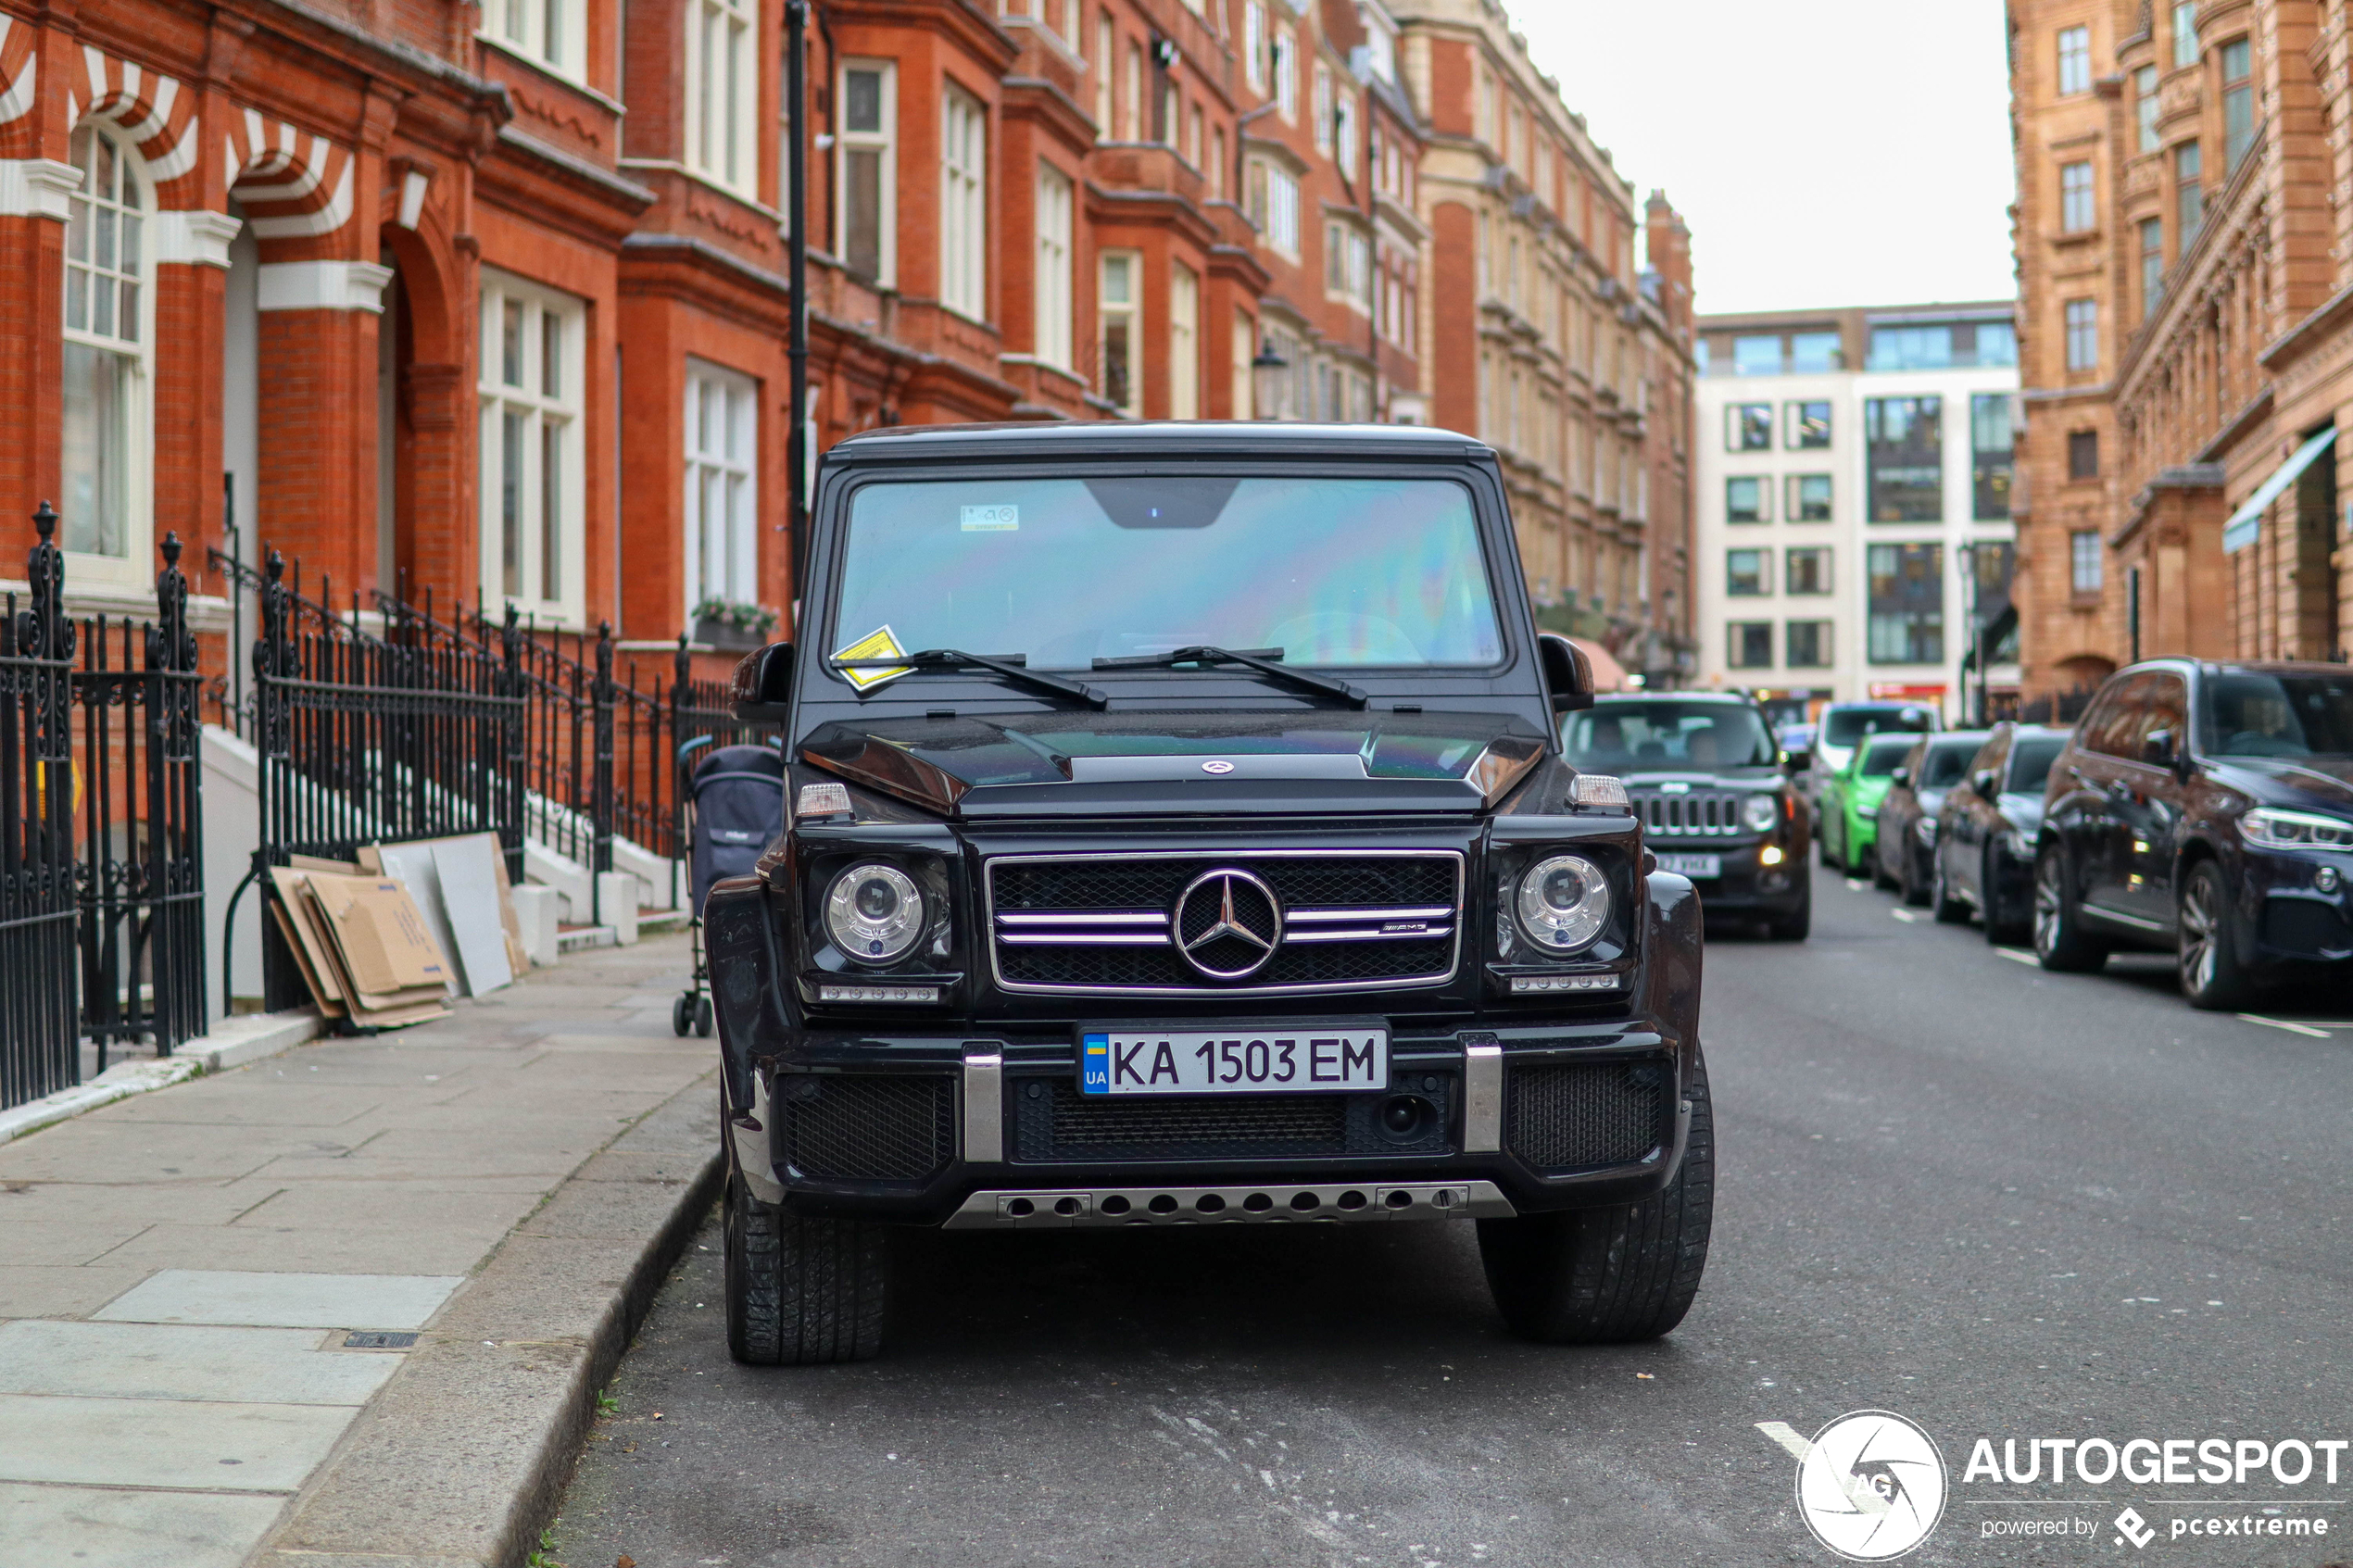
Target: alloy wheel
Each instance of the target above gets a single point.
(2197, 937)
(2048, 894)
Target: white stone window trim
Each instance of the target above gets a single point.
(135, 562)
(564, 413)
(1055, 329)
(569, 64)
(886, 142)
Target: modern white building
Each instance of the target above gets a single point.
(1852, 533)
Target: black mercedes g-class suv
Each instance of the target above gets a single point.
(1178, 834)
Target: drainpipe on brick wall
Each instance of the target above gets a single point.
(796, 442)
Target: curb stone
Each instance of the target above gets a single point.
(232, 1043)
(463, 1456)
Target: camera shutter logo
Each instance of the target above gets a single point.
(1871, 1486)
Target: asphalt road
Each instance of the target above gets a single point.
(2002, 1204)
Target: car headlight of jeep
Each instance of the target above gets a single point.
(1564, 903)
(2267, 827)
(1759, 812)
(874, 912)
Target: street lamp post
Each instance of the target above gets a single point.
(1266, 380)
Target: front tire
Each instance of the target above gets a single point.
(2002, 927)
(802, 1292)
(1607, 1276)
(2214, 978)
(2059, 940)
(1948, 907)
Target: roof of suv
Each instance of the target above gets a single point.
(2242, 666)
(1728, 698)
(1109, 436)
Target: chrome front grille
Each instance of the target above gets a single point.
(1354, 919)
(1700, 814)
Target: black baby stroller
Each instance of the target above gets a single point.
(735, 804)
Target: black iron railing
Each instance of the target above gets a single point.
(40, 1034)
(406, 720)
(101, 830)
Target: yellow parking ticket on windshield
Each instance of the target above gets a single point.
(877, 644)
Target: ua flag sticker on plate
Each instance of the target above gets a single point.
(877, 644)
(1094, 1065)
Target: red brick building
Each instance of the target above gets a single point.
(494, 297)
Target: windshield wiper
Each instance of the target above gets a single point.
(1263, 660)
(1007, 667)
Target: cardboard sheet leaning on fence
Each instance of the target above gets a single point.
(363, 947)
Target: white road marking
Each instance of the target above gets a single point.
(2282, 1023)
(1855, 885)
(1909, 917)
(2020, 955)
(1786, 1436)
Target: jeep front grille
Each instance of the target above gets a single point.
(1107, 925)
(1572, 1116)
(1702, 814)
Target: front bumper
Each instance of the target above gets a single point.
(2294, 921)
(929, 1121)
(1746, 885)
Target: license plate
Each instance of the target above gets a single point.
(1329, 1058)
(1693, 865)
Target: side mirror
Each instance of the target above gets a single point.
(2156, 748)
(1982, 781)
(763, 685)
(1569, 673)
(1901, 778)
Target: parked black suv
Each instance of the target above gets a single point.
(1983, 858)
(1178, 835)
(2207, 807)
(1705, 776)
(1905, 847)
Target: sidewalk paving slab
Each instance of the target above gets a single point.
(178, 1271)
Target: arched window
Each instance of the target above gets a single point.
(105, 351)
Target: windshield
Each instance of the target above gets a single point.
(1885, 756)
(2031, 762)
(1845, 726)
(2280, 715)
(1064, 572)
(1667, 734)
(1943, 765)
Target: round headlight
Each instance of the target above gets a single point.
(1563, 902)
(1761, 811)
(875, 913)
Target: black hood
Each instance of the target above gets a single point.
(2302, 784)
(1217, 762)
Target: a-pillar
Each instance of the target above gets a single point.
(318, 373)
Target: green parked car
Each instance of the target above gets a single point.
(1850, 801)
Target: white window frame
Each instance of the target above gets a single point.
(964, 203)
(1255, 44)
(1275, 202)
(1184, 342)
(723, 93)
(1106, 49)
(1131, 108)
(549, 35)
(2074, 46)
(720, 459)
(1245, 350)
(1054, 332)
(1322, 100)
(885, 144)
(550, 429)
(1128, 314)
(129, 350)
(1284, 49)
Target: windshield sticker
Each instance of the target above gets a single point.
(879, 644)
(1003, 517)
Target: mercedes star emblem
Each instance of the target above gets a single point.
(1228, 924)
(1217, 765)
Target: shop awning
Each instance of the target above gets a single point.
(2246, 523)
(1608, 674)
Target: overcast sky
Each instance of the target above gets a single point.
(1838, 152)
